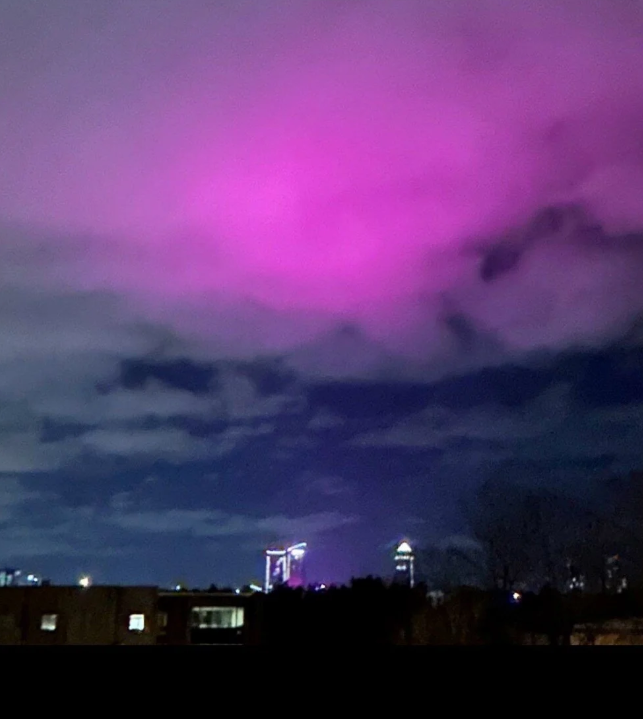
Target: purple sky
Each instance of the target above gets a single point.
(325, 159)
(235, 180)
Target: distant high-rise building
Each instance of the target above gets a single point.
(9, 577)
(285, 567)
(296, 568)
(404, 565)
(16, 578)
(275, 568)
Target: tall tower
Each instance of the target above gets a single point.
(285, 566)
(404, 565)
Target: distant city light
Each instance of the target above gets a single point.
(9, 577)
(85, 581)
(256, 588)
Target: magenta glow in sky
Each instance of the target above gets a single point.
(252, 173)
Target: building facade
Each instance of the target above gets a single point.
(101, 615)
(48, 615)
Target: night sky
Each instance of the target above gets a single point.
(309, 270)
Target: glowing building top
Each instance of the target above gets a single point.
(404, 564)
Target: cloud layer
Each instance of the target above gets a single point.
(251, 176)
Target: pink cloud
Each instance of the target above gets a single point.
(256, 173)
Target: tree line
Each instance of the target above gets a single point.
(527, 538)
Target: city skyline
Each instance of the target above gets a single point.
(284, 565)
(307, 270)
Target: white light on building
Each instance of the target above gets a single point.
(85, 581)
(217, 617)
(136, 622)
(49, 622)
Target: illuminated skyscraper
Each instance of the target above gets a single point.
(275, 568)
(295, 558)
(404, 565)
(285, 566)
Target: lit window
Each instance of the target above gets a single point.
(136, 622)
(217, 617)
(48, 622)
